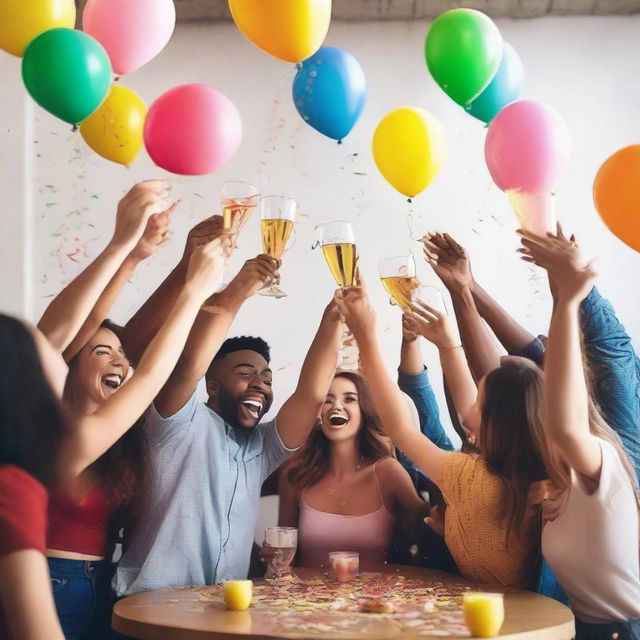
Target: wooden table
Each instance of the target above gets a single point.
(183, 614)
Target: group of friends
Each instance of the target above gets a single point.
(104, 440)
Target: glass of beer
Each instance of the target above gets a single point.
(339, 248)
(398, 277)
(284, 542)
(277, 217)
(238, 201)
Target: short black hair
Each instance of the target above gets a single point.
(243, 343)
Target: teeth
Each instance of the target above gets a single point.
(253, 405)
(338, 419)
(112, 380)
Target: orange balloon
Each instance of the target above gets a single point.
(616, 194)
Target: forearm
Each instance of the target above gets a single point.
(411, 361)
(102, 307)
(459, 381)
(513, 337)
(146, 322)
(69, 310)
(481, 350)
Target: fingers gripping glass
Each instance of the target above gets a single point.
(277, 218)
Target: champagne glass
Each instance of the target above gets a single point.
(277, 217)
(284, 541)
(238, 201)
(398, 277)
(431, 296)
(339, 248)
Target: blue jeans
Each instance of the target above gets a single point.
(629, 630)
(82, 596)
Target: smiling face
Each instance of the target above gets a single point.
(101, 367)
(239, 388)
(341, 415)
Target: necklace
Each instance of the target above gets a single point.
(331, 490)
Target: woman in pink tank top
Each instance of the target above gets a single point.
(343, 489)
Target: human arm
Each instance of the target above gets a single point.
(413, 380)
(387, 397)
(398, 490)
(298, 414)
(94, 434)
(151, 239)
(26, 598)
(68, 311)
(566, 397)
(288, 505)
(209, 332)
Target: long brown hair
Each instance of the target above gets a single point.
(311, 463)
(511, 433)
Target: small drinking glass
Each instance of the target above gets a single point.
(345, 565)
(398, 277)
(284, 542)
(339, 248)
(277, 217)
(431, 296)
(483, 613)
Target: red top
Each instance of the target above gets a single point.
(80, 525)
(23, 517)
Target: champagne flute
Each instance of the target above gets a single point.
(339, 248)
(398, 277)
(238, 201)
(277, 217)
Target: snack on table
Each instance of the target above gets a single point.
(375, 605)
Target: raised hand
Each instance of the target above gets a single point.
(134, 210)
(155, 235)
(435, 326)
(254, 275)
(408, 328)
(449, 260)
(570, 276)
(206, 264)
(204, 232)
(356, 309)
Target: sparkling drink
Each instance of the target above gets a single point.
(275, 236)
(236, 211)
(341, 259)
(400, 289)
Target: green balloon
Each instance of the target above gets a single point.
(463, 50)
(67, 72)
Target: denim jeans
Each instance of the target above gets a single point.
(82, 595)
(629, 630)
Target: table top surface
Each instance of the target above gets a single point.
(313, 606)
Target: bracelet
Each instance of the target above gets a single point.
(458, 346)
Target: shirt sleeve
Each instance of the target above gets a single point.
(534, 351)
(612, 475)
(418, 388)
(23, 511)
(160, 430)
(274, 451)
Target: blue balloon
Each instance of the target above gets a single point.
(505, 87)
(329, 91)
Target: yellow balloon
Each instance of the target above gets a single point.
(291, 30)
(115, 130)
(409, 147)
(22, 20)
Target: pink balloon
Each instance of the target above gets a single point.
(132, 31)
(527, 147)
(192, 129)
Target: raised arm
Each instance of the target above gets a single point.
(566, 397)
(288, 510)
(387, 397)
(69, 310)
(147, 321)
(94, 434)
(298, 414)
(210, 330)
(151, 239)
(438, 328)
(450, 262)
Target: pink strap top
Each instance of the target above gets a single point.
(320, 532)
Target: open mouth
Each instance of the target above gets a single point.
(113, 381)
(337, 420)
(254, 406)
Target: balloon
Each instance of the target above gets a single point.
(114, 130)
(67, 73)
(616, 194)
(291, 30)
(527, 150)
(132, 31)
(463, 51)
(192, 129)
(329, 91)
(22, 20)
(409, 147)
(505, 87)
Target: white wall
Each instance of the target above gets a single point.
(59, 197)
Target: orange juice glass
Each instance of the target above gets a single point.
(483, 613)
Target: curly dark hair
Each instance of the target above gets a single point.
(244, 343)
(311, 463)
(33, 423)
